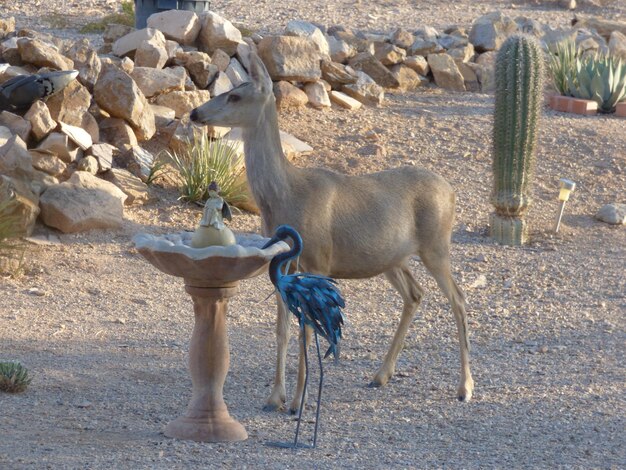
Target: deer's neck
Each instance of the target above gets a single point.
(266, 165)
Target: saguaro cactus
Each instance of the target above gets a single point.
(519, 82)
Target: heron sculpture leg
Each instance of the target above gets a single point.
(296, 444)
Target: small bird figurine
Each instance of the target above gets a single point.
(212, 230)
(316, 302)
(20, 92)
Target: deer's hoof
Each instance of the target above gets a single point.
(379, 380)
(465, 391)
(273, 407)
(294, 408)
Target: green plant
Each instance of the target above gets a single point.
(125, 17)
(561, 63)
(158, 169)
(518, 98)
(13, 377)
(203, 161)
(599, 77)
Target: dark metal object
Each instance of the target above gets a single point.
(22, 91)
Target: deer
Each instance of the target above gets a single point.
(352, 226)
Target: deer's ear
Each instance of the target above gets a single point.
(259, 75)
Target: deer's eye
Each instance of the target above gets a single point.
(233, 98)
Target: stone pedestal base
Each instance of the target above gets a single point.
(207, 418)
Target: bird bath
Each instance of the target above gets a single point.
(211, 276)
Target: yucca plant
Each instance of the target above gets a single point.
(13, 377)
(599, 77)
(205, 160)
(561, 63)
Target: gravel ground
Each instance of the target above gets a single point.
(105, 335)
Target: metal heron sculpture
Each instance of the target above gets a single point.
(316, 302)
(22, 91)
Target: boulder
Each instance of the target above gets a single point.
(118, 94)
(118, 133)
(365, 90)
(617, 45)
(138, 161)
(408, 78)
(42, 54)
(77, 135)
(84, 202)
(418, 63)
(220, 59)
(163, 116)
(199, 66)
(14, 158)
(47, 162)
(489, 31)
(340, 51)
(221, 84)
(153, 82)
(614, 214)
(151, 53)
(291, 58)
(236, 73)
(423, 47)
(182, 102)
(485, 71)
(402, 38)
(86, 61)
(40, 120)
(445, 72)
(16, 124)
(7, 26)
(317, 94)
(289, 96)
(217, 32)
(25, 205)
(367, 63)
(70, 104)
(388, 54)
(103, 153)
(182, 26)
(113, 32)
(135, 189)
(344, 100)
(58, 144)
(304, 29)
(337, 74)
(129, 43)
(88, 164)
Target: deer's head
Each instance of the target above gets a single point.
(241, 106)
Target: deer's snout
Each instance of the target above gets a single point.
(194, 115)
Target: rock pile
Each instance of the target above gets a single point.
(77, 157)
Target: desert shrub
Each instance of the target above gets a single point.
(13, 377)
(598, 77)
(205, 160)
(125, 17)
(11, 250)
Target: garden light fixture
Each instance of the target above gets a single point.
(565, 188)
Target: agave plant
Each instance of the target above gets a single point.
(13, 377)
(204, 161)
(600, 77)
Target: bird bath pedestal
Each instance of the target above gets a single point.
(211, 277)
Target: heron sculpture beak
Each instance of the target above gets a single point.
(271, 242)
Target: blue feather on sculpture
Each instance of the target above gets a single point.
(315, 301)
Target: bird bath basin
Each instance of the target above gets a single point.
(211, 277)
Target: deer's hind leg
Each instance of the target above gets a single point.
(411, 293)
(277, 398)
(297, 396)
(437, 261)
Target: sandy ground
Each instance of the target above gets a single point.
(105, 335)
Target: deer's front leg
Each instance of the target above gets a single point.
(297, 396)
(277, 398)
